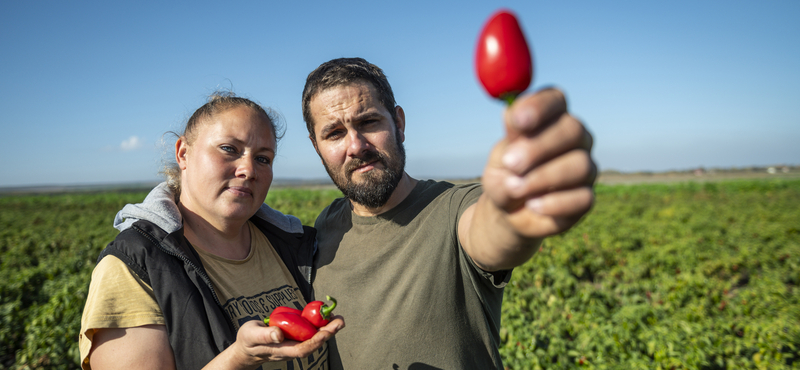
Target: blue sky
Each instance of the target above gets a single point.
(89, 88)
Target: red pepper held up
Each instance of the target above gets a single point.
(318, 313)
(503, 60)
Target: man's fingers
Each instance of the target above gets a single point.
(530, 113)
(525, 153)
(542, 172)
(563, 203)
(570, 170)
(588, 141)
(552, 213)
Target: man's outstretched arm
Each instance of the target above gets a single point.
(537, 182)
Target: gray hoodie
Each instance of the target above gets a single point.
(159, 208)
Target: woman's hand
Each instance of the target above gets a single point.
(257, 343)
(147, 347)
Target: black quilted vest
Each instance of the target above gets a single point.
(198, 328)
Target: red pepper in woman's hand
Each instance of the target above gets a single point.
(317, 313)
(503, 61)
(286, 309)
(293, 326)
(301, 325)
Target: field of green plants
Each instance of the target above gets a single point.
(657, 276)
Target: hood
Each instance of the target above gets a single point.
(159, 208)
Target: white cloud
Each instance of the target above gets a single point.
(131, 143)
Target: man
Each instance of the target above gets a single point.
(418, 267)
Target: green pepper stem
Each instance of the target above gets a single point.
(266, 321)
(326, 310)
(509, 98)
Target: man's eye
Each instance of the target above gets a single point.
(368, 124)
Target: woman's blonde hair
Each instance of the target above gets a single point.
(218, 102)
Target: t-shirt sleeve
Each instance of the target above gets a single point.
(465, 196)
(117, 299)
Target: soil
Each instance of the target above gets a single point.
(700, 175)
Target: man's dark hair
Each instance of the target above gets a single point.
(345, 71)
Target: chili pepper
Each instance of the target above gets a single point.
(502, 59)
(286, 309)
(293, 326)
(317, 313)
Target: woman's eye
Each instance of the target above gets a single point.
(228, 148)
(264, 160)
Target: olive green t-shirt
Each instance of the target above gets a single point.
(410, 295)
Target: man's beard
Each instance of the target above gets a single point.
(377, 185)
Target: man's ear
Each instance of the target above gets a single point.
(181, 148)
(401, 122)
(314, 143)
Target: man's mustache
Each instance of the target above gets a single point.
(366, 158)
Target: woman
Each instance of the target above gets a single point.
(202, 260)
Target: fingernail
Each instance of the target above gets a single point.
(274, 337)
(513, 182)
(524, 117)
(535, 205)
(512, 158)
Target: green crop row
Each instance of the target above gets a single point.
(679, 276)
(657, 276)
(48, 248)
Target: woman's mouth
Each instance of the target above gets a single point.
(240, 191)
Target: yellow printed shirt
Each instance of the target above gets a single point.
(249, 289)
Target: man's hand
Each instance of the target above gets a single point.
(257, 343)
(542, 173)
(537, 182)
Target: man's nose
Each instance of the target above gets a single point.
(357, 143)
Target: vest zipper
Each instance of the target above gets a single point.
(186, 260)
